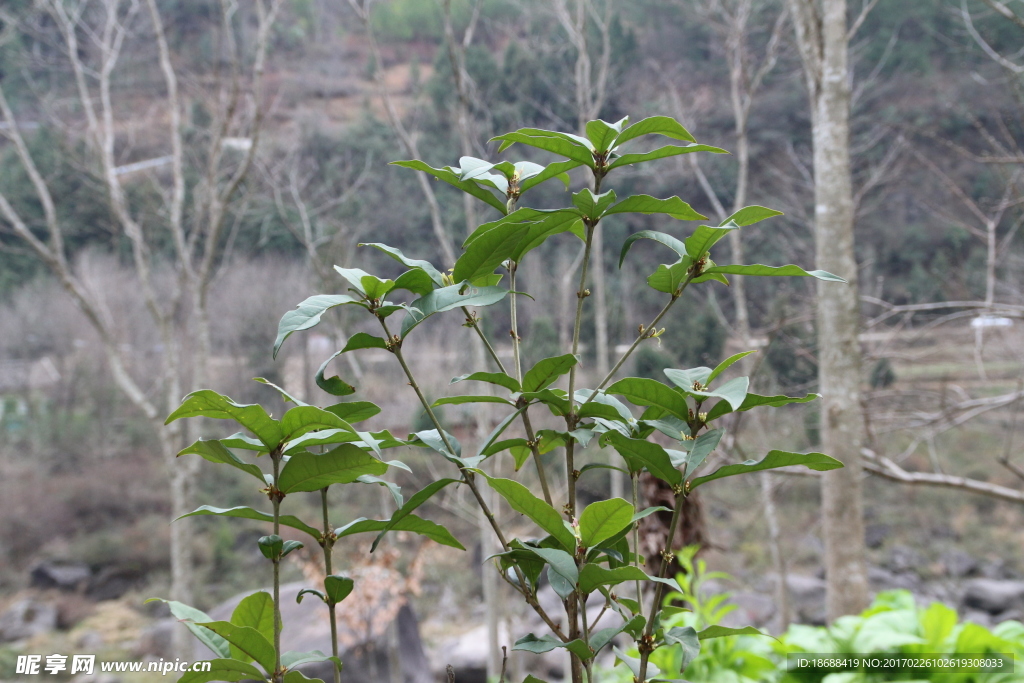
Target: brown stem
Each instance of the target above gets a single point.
(277, 675)
(327, 543)
(659, 587)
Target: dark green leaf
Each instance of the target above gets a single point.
(291, 660)
(296, 676)
(540, 225)
(449, 176)
(459, 400)
(723, 631)
(338, 588)
(702, 447)
(271, 546)
(191, 617)
(593, 576)
(354, 411)
(499, 378)
(774, 459)
(640, 453)
(408, 522)
(661, 125)
(421, 496)
(661, 153)
(248, 640)
(523, 501)
(308, 314)
(602, 134)
(214, 451)
(773, 271)
(648, 392)
(724, 365)
(415, 281)
(343, 465)
(488, 251)
(303, 419)
(335, 386)
(541, 375)
(603, 519)
(754, 401)
(224, 670)
(206, 403)
(249, 513)
(361, 340)
(561, 144)
(593, 206)
(733, 391)
(560, 562)
(302, 593)
(426, 266)
(667, 279)
(288, 398)
(686, 637)
(547, 643)
(256, 611)
(557, 169)
(749, 215)
(646, 204)
(703, 238)
(668, 240)
(447, 298)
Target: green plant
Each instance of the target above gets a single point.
(582, 551)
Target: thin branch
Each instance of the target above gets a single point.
(884, 467)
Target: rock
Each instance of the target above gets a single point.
(752, 609)
(959, 564)
(157, 640)
(902, 559)
(65, 576)
(993, 596)
(807, 594)
(306, 627)
(885, 580)
(27, 618)
(875, 535)
(113, 582)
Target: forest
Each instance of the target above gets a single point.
(177, 177)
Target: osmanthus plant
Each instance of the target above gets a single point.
(585, 553)
(343, 455)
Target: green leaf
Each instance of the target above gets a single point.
(303, 419)
(459, 400)
(668, 240)
(335, 386)
(354, 411)
(815, 461)
(557, 169)
(603, 519)
(426, 266)
(646, 204)
(248, 640)
(224, 670)
(214, 451)
(290, 660)
(661, 125)
(447, 298)
(271, 546)
(648, 392)
(421, 496)
(667, 279)
(449, 176)
(307, 315)
(312, 472)
(541, 375)
(602, 134)
(773, 271)
(190, 616)
(488, 251)
(362, 340)
(540, 224)
(593, 576)
(560, 562)
(724, 365)
(243, 512)
(499, 378)
(686, 637)
(408, 522)
(593, 206)
(296, 676)
(523, 501)
(288, 398)
(749, 215)
(415, 281)
(533, 679)
(661, 153)
(206, 403)
(338, 588)
(547, 643)
(256, 611)
(723, 631)
(639, 453)
(733, 391)
(702, 447)
(564, 144)
(755, 400)
(703, 238)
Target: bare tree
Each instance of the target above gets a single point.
(822, 36)
(196, 233)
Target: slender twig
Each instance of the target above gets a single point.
(327, 543)
(277, 675)
(659, 588)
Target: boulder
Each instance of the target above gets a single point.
(307, 627)
(993, 596)
(807, 594)
(26, 618)
(66, 576)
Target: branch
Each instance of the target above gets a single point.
(989, 50)
(859, 21)
(1005, 11)
(884, 467)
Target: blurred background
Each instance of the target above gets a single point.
(175, 176)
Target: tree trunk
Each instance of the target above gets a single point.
(839, 355)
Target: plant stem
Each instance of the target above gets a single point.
(475, 324)
(467, 477)
(659, 587)
(328, 546)
(635, 479)
(277, 675)
(530, 436)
